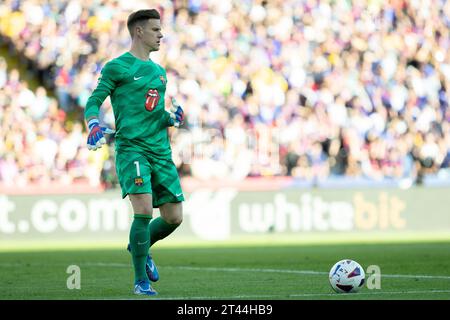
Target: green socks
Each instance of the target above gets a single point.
(159, 229)
(143, 234)
(140, 244)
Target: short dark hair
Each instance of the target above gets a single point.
(141, 16)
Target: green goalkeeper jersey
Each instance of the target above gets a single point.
(137, 89)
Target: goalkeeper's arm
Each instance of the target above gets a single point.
(106, 83)
(176, 114)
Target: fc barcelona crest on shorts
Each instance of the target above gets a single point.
(138, 181)
(163, 80)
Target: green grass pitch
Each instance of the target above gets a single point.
(418, 270)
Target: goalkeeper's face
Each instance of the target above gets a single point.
(150, 34)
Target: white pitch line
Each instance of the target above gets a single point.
(299, 295)
(247, 270)
(374, 292)
(216, 269)
(410, 276)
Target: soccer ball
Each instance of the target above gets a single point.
(347, 276)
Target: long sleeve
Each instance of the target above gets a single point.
(105, 86)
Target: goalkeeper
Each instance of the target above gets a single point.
(146, 172)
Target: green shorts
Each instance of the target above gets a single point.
(141, 173)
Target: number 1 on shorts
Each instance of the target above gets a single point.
(138, 170)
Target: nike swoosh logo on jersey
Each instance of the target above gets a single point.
(137, 78)
(142, 243)
(180, 194)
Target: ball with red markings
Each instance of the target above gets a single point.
(347, 276)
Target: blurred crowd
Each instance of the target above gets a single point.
(38, 143)
(310, 89)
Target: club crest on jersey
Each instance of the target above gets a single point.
(163, 80)
(152, 99)
(138, 181)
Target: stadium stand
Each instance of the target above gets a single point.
(320, 91)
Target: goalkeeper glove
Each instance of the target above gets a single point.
(95, 137)
(176, 114)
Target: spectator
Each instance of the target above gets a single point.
(319, 88)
